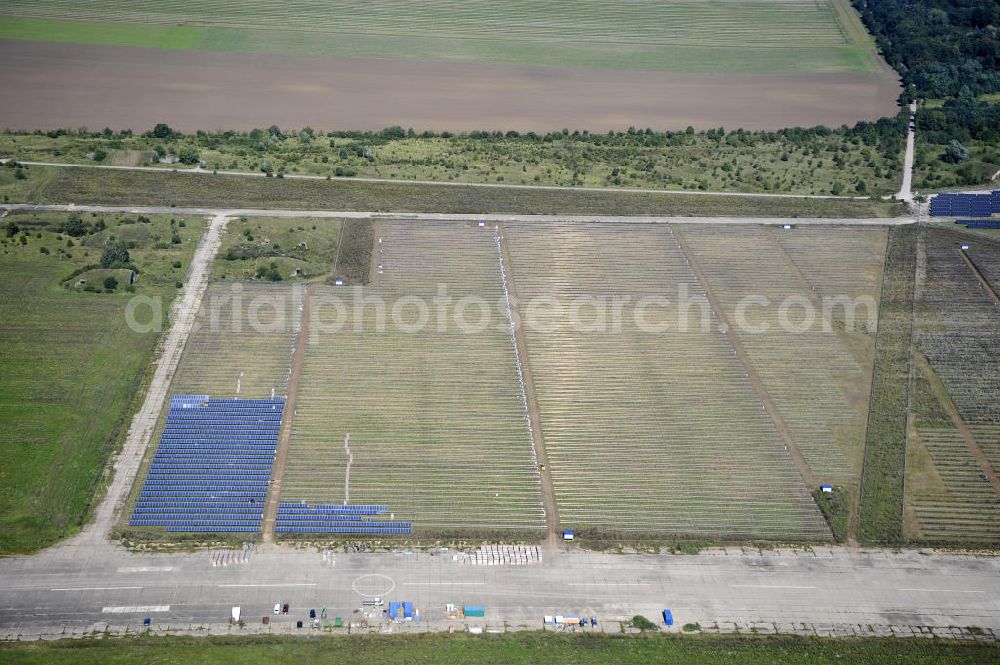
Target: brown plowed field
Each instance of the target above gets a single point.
(50, 85)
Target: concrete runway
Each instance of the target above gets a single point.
(83, 586)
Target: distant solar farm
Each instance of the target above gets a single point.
(717, 431)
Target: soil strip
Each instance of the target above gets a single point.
(285, 434)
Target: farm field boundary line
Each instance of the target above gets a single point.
(449, 183)
(457, 217)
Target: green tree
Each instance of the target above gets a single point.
(188, 155)
(110, 283)
(12, 229)
(162, 131)
(955, 153)
(74, 226)
(115, 254)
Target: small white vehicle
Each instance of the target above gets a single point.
(277, 608)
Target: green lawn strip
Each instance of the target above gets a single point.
(885, 447)
(104, 33)
(513, 649)
(182, 189)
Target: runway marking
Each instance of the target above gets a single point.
(239, 586)
(96, 588)
(768, 586)
(146, 569)
(376, 585)
(608, 584)
(946, 590)
(135, 609)
(443, 583)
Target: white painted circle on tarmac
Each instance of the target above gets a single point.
(373, 585)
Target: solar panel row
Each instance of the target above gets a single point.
(972, 205)
(212, 466)
(401, 528)
(300, 517)
(979, 223)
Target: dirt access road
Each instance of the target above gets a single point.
(182, 315)
(50, 85)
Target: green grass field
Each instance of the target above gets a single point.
(55, 185)
(515, 649)
(679, 35)
(881, 507)
(71, 365)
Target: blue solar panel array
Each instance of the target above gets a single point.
(966, 205)
(979, 223)
(300, 517)
(212, 465)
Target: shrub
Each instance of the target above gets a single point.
(115, 253)
(74, 226)
(110, 283)
(642, 623)
(269, 273)
(188, 155)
